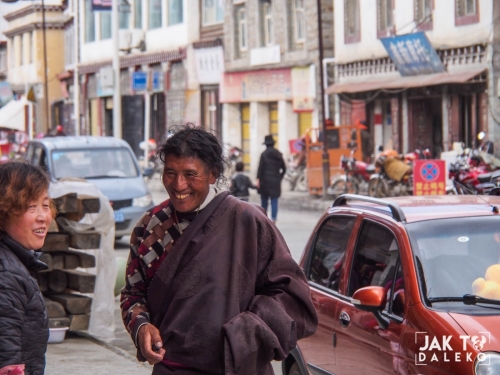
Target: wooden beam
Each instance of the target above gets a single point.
(58, 322)
(85, 240)
(80, 281)
(54, 309)
(79, 322)
(58, 281)
(56, 242)
(74, 303)
(67, 203)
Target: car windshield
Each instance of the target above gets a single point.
(93, 163)
(453, 255)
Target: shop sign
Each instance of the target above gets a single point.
(261, 85)
(6, 94)
(157, 81)
(429, 177)
(209, 65)
(413, 54)
(101, 5)
(265, 55)
(139, 81)
(105, 80)
(303, 88)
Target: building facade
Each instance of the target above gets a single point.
(33, 54)
(404, 110)
(271, 83)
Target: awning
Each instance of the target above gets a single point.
(398, 82)
(12, 115)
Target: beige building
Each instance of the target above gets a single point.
(26, 56)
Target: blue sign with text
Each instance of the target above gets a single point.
(139, 81)
(413, 54)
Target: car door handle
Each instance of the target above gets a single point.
(345, 319)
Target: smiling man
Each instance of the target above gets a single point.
(211, 286)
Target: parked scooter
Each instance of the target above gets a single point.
(356, 177)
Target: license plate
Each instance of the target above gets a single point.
(119, 217)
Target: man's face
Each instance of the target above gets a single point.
(187, 180)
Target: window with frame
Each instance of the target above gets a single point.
(241, 41)
(175, 12)
(89, 22)
(154, 14)
(423, 14)
(377, 262)
(299, 21)
(385, 19)
(105, 25)
(213, 12)
(466, 12)
(328, 252)
(138, 14)
(21, 50)
(124, 20)
(31, 47)
(266, 21)
(352, 32)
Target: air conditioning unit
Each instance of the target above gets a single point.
(137, 39)
(124, 39)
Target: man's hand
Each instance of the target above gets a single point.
(150, 343)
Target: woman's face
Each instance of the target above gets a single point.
(30, 229)
(187, 181)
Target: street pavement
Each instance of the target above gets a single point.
(82, 354)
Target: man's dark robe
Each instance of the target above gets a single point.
(228, 298)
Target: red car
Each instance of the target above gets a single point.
(407, 285)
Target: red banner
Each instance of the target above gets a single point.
(429, 177)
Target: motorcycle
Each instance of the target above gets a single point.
(356, 177)
(234, 155)
(472, 173)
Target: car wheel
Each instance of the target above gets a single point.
(295, 369)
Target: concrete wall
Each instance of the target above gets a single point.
(444, 34)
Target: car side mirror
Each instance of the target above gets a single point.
(148, 172)
(372, 299)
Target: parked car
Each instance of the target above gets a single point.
(107, 162)
(406, 285)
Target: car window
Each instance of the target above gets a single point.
(30, 153)
(328, 251)
(40, 158)
(377, 263)
(94, 163)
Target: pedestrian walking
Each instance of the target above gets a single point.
(26, 212)
(211, 287)
(240, 183)
(269, 175)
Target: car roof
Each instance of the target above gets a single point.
(429, 207)
(79, 142)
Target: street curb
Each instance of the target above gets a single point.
(106, 345)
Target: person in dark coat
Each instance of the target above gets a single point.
(26, 212)
(240, 183)
(269, 175)
(211, 286)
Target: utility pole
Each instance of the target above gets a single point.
(117, 97)
(76, 78)
(325, 156)
(45, 68)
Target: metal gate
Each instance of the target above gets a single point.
(273, 121)
(245, 135)
(305, 122)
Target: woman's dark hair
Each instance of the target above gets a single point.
(20, 184)
(192, 141)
